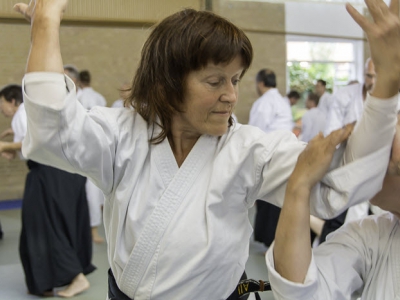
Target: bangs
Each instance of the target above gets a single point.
(219, 42)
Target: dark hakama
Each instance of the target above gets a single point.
(55, 243)
(266, 221)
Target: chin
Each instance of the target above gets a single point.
(218, 131)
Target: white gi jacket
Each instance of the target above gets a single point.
(271, 112)
(325, 102)
(18, 125)
(346, 107)
(312, 123)
(183, 233)
(360, 259)
(90, 98)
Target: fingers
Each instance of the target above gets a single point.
(377, 9)
(339, 136)
(22, 8)
(394, 7)
(357, 17)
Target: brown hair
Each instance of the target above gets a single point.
(183, 42)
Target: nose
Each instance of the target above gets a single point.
(230, 93)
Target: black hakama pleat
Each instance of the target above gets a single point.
(266, 221)
(55, 243)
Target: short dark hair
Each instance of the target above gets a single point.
(12, 91)
(181, 43)
(72, 70)
(313, 98)
(84, 77)
(267, 77)
(293, 94)
(323, 82)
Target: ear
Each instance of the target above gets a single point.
(14, 102)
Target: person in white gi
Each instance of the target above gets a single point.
(358, 261)
(89, 99)
(63, 231)
(271, 111)
(313, 121)
(72, 72)
(325, 100)
(11, 106)
(292, 97)
(178, 175)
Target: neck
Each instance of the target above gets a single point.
(265, 89)
(181, 146)
(181, 141)
(364, 92)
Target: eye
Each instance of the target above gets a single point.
(235, 81)
(214, 83)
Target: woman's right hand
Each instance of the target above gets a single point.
(46, 8)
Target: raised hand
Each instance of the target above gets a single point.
(46, 8)
(314, 161)
(8, 155)
(6, 132)
(383, 34)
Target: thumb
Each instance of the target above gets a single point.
(22, 8)
(340, 135)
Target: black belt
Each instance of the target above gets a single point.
(244, 288)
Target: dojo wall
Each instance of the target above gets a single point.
(107, 38)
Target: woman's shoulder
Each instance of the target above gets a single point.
(252, 134)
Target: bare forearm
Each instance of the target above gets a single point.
(45, 53)
(292, 250)
(9, 147)
(386, 86)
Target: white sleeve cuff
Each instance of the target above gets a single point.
(48, 89)
(285, 289)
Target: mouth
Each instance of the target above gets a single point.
(222, 112)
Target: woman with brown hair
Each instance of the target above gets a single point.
(177, 173)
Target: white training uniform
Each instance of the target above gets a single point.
(360, 259)
(89, 99)
(271, 112)
(325, 102)
(118, 103)
(347, 107)
(183, 232)
(312, 123)
(18, 125)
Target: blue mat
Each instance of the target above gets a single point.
(10, 204)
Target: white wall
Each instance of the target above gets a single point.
(326, 19)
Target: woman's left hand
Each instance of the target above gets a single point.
(314, 161)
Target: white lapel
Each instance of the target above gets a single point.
(178, 185)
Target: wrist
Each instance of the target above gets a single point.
(298, 190)
(45, 18)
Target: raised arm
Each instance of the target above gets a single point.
(60, 132)
(45, 17)
(292, 250)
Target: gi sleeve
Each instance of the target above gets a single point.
(355, 175)
(61, 133)
(338, 267)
